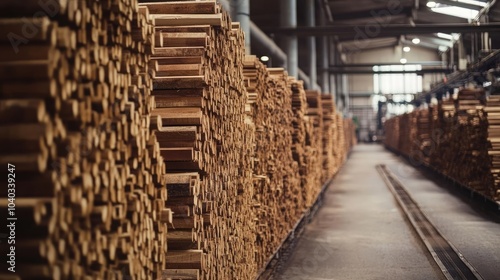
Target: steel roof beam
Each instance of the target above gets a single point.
(375, 30)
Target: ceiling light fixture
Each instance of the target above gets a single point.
(431, 4)
(445, 36)
(406, 49)
(415, 41)
(264, 58)
(403, 60)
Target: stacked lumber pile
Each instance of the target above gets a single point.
(328, 108)
(302, 129)
(277, 184)
(492, 110)
(142, 148)
(340, 142)
(201, 102)
(446, 121)
(405, 138)
(349, 135)
(422, 139)
(435, 133)
(74, 109)
(314, 148)
(469, 148)
(392, 133)
(462, 140)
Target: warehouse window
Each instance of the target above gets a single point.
(399, 83)
(397, 89)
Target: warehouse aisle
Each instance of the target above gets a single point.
(359, 233)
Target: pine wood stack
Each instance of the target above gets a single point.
(277, 185)
(436, 134)
(468, 150)
(392, 133)
(462, 139)
(422, 140)
(328, 108)
(446, 121)
(492, 110)
(302, 128)
(201, 103)
(405, 129)
(339, 152)
(349, 134)
(74, 113)
(314, 150)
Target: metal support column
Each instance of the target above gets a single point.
(324, 60)
(311, 43)
(288, 17)
(241, 13)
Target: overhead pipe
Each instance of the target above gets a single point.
(263, 44)
(323, 50)
(364, 72)
(303, 77)
(371, 65)
(290, 44)
(361, 32)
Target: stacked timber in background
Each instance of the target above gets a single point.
(340, 142)
(300, 126)
(74, 109)
(422, 140)
(314, 149)
(469, 146)
(462, 136)
(492, 110)
(349, 135)
(336, 133)
(277, 184)
(447, 114)
(392, 133)
(328, 107)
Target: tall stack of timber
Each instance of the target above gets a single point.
(405, 140)
(74, 111)
(392, 133)
(446, 115)
(435, 132)
(301, 126)
(339, 142)
(349, 135)
(492, 110)
(277, 173)
(201, 102)
(469, 145)
(463, 139)
(328, 107)
(422, 139)
(314, 150)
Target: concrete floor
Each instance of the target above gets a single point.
(360, 233)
